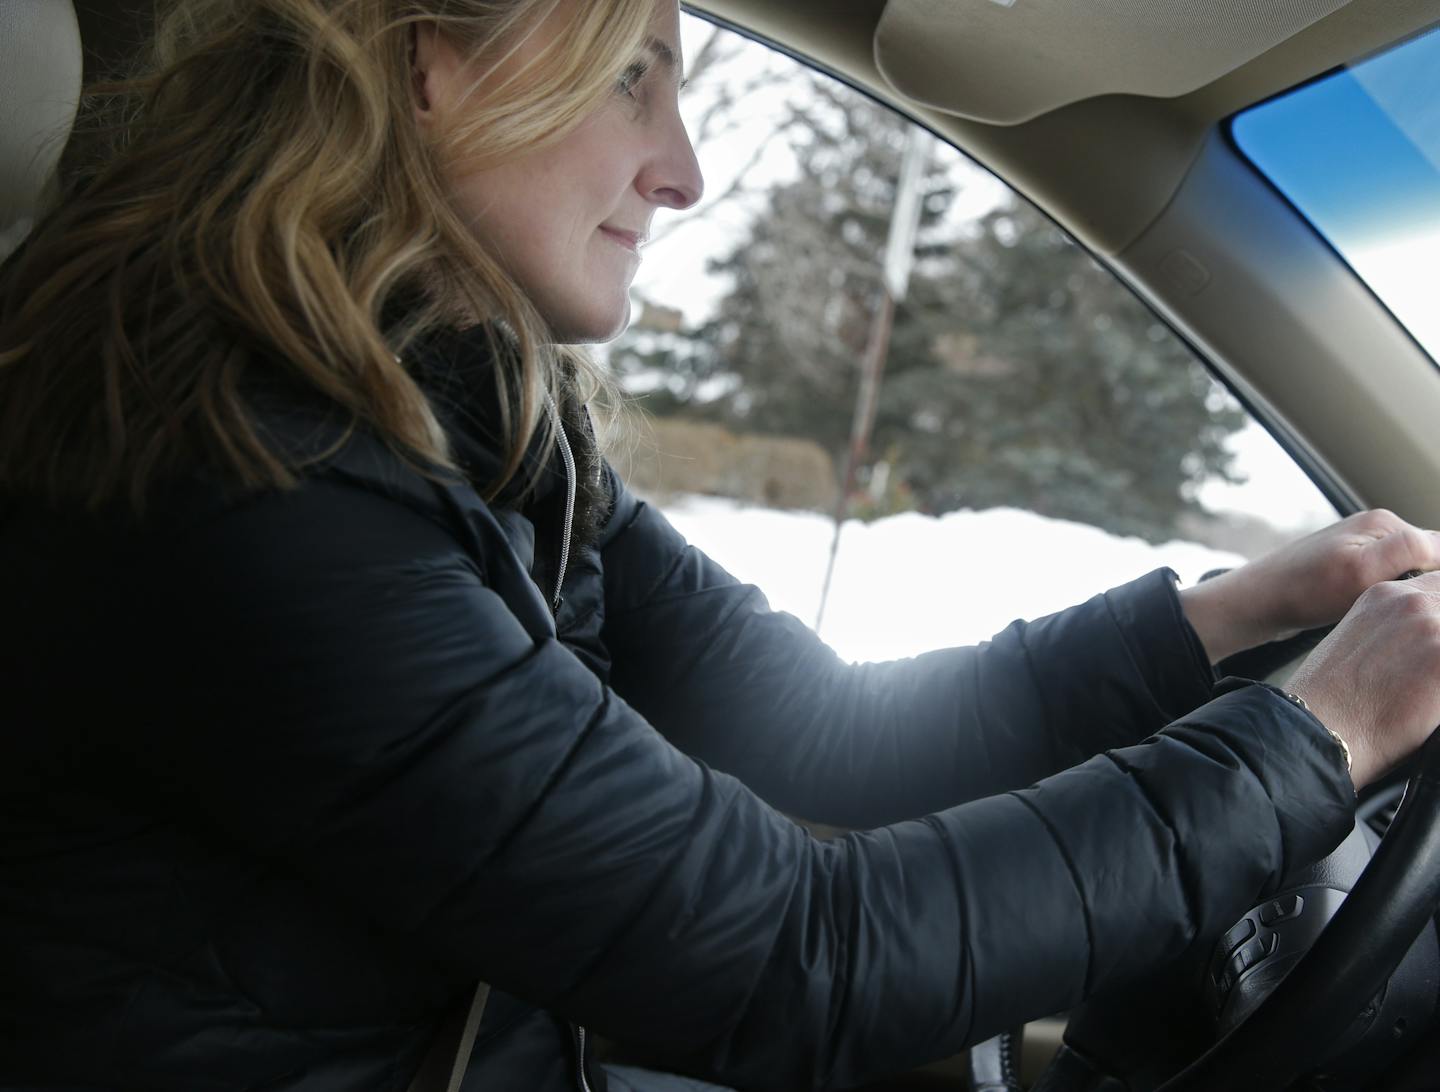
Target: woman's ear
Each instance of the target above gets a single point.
(434, 68)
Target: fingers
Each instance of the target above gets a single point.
(1399, 549)
(1315, 581)
(1410, 551)
(1374, 678)
(1415, 592)
(1428, 582)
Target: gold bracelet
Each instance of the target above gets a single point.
(1336, 736)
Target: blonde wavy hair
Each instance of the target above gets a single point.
(256, 196)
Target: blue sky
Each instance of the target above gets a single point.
(1359, 154)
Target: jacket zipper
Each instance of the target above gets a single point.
(580, 1077)
(568, 457)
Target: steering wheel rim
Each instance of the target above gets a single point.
(1285, 1037)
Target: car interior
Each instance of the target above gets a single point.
(1114, 119)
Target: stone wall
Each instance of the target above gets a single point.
(661, 457)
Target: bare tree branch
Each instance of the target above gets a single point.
(736, 187)
(707, 55)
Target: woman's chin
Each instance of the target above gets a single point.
(592, 326)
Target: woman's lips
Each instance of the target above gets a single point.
(630, 240)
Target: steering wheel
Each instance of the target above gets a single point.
(1289, 1034)
(1314, 1005)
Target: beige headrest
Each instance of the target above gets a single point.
(40, 73)
(1007, 61)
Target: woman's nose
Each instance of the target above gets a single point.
(674, 179)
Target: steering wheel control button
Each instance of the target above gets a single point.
(1247, 957)
(1282, 909)
(1239, 933)
(1223, 970)
(1252, 954)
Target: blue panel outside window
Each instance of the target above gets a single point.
(1358, 153)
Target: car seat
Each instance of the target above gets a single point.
(40, 75)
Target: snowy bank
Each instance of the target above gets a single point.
(911, 583)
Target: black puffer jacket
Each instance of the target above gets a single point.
(281, 778)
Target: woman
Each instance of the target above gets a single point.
(343, 674)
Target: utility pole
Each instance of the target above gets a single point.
(899, 261)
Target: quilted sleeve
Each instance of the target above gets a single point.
(754, 692)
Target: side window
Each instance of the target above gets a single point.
(1030, 433)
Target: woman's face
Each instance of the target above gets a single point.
(568, 221)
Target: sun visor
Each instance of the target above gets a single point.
(1007, 61)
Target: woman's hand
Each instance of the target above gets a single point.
(1375, 680)
(1309, 583)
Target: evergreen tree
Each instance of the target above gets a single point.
(1045, 383)
(1019, 371)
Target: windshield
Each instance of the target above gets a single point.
(1358, 153)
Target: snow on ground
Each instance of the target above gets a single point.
(912, 583)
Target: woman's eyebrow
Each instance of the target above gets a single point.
(666, 56)
(663, 53)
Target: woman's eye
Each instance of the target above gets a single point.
(631, 77)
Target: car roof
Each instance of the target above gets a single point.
(1106, 165)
